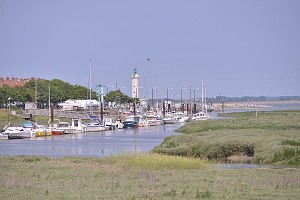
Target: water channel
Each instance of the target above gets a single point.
(98, 144)
(103, 144)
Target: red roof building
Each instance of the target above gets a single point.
(13, 82)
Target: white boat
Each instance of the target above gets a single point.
(133, 121)
(109, 124)
(153, 119)
(75, 127)
(65, 127)
(174, 118)
(78, 126)
(94, 125)
(119, 124)
(3, 136)
(18, 132)
(201, 116)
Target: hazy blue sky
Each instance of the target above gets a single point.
(238, 47)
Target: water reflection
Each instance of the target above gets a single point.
(251, 166)
(98, 144)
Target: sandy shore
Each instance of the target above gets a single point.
(251, 105)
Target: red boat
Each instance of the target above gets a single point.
(57, 132)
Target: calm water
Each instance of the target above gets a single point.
(99, 144)
(104, 143)
(271, 107)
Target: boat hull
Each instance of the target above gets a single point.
(95, 128)
(132, 124)
(170, 121)
(3, 137)
(43, 133)
(57, 132)
(19, 135)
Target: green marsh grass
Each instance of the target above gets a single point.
(157, 161)
(36, 177)
(271, 138)
(15, 120)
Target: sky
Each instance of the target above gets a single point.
(238, 47)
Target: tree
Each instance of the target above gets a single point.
(60, 91)
(113, 95)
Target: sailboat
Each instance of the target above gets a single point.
(95, 124)
(202, 115)
(41, 130)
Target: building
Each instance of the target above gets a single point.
(135, 84)
(13, 82)
(79, 104)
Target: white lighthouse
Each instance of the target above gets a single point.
(135, 84)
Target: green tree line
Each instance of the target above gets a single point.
(60, 91)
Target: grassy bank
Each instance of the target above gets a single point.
(270, 138)
(126, 177)
(18, 121)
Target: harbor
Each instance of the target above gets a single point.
(109, 142)
(92, 144)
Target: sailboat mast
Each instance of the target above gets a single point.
(205, 103)
(35, 101)
(202, 96)
(90, 85)
(49, 102)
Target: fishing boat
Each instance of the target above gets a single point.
(75, 127)
(78, 126)
(54, 126)
(65, 127)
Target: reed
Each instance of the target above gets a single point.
(36, 177)
(157, 161)
(270, 138)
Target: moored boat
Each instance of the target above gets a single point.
(201, 116)
(132, 121)
(76, 127)
(119, 124)
(109, 124)
(94, 125)
(65, 127)
(3, 136)
(57, 132)
(174, 118)
(42, 131)
(152, 119)
(18, 132)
